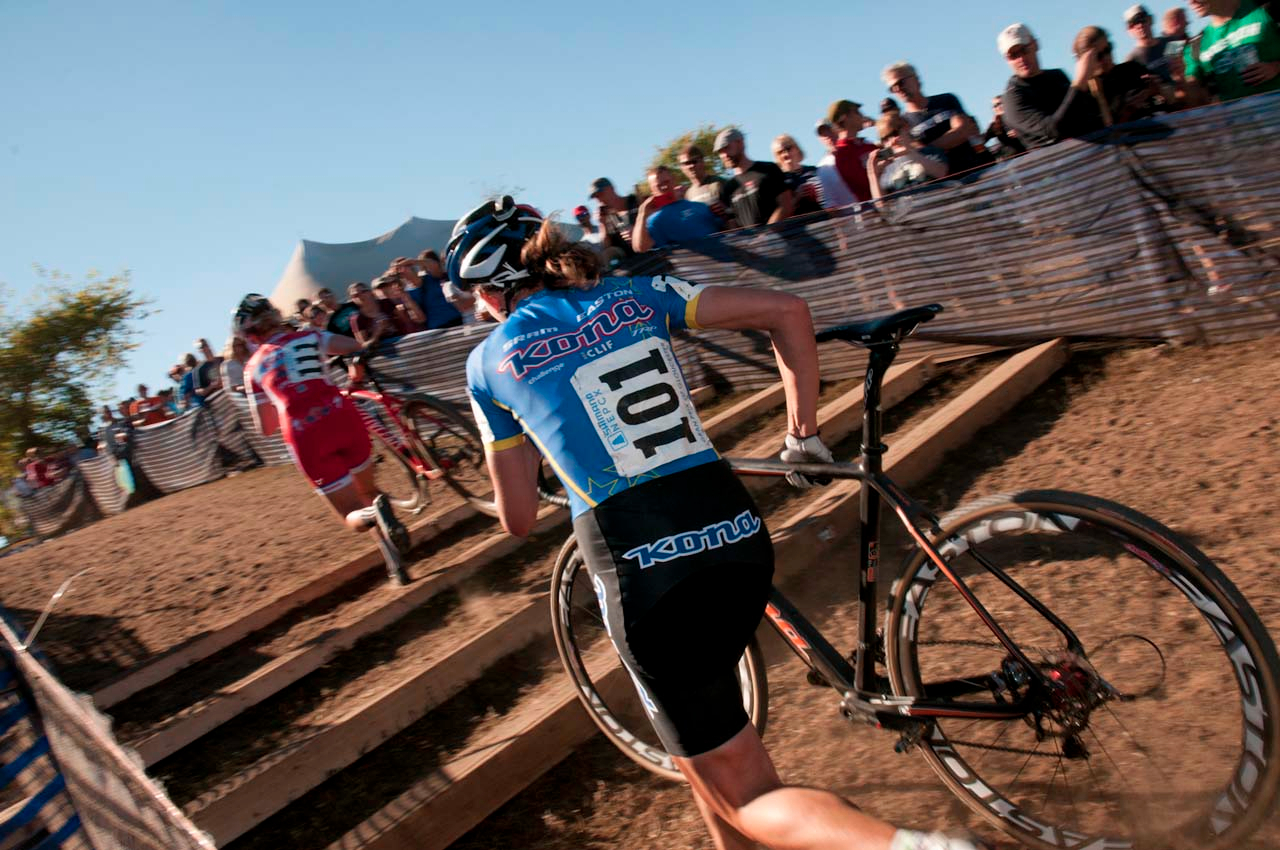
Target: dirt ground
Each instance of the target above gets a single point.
(1187, 435)
(174, 569)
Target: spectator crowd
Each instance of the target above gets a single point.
(920, 137)
(923, 136)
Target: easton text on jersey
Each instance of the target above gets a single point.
(686, 543)
(606, 323)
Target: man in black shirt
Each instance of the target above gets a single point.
(1150, 51)
(757, 192)
(617, 215)
(1045, 107)
(938, 120)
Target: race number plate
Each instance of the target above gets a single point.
(640, 407)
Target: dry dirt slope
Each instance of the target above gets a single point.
(1189, 435)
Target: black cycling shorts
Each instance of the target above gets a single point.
(683, 566)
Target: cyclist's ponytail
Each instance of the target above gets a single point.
(555, 262)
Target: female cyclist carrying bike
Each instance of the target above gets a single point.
(581, 371)
(290, 392)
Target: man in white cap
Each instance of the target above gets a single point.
(1044, 106)
(757, 192)
(1150, 49)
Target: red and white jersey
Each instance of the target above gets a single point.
(289, 370)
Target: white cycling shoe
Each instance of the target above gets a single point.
(909, 839)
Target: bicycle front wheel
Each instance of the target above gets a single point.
(449, 444)
(600, 680)
(1159, 730)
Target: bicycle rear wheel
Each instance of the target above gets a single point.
(392, 472)
(450, 444)
(601, 682)
(1163, 734)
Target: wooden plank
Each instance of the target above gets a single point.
(292, 666)
(922, 449)
(230, 811)
(842, 416)
(751, 406)
(441, 808)
(201, 648)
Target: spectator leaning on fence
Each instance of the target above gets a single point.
(902, 162)
(851, 153)
(704, 187)
(1124, 92)
(207, 378)
(1001, 140)
(835, 192)
(591, 235)
(617, 214)
(1043, 106)
(1150, 50)
(665, 219)
(339, 321)
(404, 311)
(801, 179)
(938, 121)
(1238, 53)
(373, 321)
(234, 356)
(757, 191)
(146, 409)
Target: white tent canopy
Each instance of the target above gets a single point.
(315, 265)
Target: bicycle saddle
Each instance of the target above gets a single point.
(883, 329)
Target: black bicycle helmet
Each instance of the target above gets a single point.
(253, 308)
(484, 249)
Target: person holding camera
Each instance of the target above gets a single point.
(665, 219)
(901, 162)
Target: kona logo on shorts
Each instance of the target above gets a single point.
(688, 543)
(604, 324)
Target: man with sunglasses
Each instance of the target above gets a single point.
(1150, 50)
(937, 121)
(1044, 106)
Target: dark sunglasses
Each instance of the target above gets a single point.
(689, 163)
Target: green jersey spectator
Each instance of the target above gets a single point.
(1239, 51)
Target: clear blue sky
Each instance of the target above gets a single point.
(196, 143)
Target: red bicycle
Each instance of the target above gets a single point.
(419, 438)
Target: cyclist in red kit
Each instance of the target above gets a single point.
(291, 393)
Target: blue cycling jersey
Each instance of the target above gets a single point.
(590, 377)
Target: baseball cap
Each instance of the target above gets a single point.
(579, 211)
(1136, 12)
(727, 135)
(598, 184)
(840, 108)
(1011, 35)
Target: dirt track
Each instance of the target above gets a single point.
(1187, 435)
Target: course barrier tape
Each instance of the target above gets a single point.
(76, 787)
(1160, 230)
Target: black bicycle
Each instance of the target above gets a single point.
(1073, 670)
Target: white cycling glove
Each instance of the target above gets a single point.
(804, 450)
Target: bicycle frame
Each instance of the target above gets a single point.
(867, 695)
(389, 408)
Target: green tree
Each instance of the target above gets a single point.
(58, 355)
(704, 137)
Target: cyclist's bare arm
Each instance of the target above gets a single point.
(265, 417)
(787, 320)
(514, 472)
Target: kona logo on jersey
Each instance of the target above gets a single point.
(688, 543)
(590, 333)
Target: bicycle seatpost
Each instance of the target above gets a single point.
(882, 356)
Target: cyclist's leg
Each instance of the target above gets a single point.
(738, 786)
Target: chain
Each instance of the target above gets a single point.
(1022, 751)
